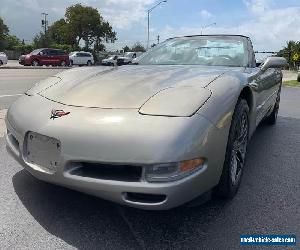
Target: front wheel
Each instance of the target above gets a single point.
(35, 63)
(235, 152)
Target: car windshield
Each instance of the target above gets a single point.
(128, 54)
(199, 50)
(35, 52)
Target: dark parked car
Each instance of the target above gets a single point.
(40, 57)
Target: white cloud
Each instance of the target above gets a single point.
(23, 16)
(257, 6)
(205, 14)
(122, 14)
(268, 30)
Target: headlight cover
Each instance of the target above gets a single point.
(168, 172)
(181, 101)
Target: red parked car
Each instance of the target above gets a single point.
(38, 57)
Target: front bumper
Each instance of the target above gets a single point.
(159, 149)
(22, 61)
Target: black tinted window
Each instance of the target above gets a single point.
(87, 55)
(81, 54)
(44, 52)
(60, 52)
(52, 52)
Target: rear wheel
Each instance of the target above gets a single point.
(35, 63)
(89, 63)
(63, 63)
(235, 152)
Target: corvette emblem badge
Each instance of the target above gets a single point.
(58, 113)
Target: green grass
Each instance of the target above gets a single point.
(292, 83)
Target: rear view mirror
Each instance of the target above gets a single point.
(273, 62)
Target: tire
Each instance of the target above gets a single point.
(89, 63)
(298, 78)
(235, 152)
(35, 63)
(63, 63)
(1, 63)
(271, 119)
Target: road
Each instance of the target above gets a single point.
(14, 82)
(34, 214)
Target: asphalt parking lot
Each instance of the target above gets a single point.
(14, 82)
(34, 214)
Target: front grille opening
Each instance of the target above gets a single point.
(145, 198)
(108, 172)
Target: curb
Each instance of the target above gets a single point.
(2, 122)
(32, 67)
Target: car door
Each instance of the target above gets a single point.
(59, 57)
(53, 57)
(43, 57)
(265, 87)
(74, 58)
(86, 57)
(82, 58)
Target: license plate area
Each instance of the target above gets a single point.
(43, 152)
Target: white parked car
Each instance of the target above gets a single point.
(81, 58)
(128, 57)
(3, 58)
(110, 61)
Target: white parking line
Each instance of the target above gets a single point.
(10, 95)
(2, 123)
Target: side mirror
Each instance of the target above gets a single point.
(273, 62)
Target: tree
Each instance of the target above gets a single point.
(137, 47)
(40, 40)
(11, 42)
(3, 34)
(126, 49)
(85, 23)
(292, 53)
(60, 33)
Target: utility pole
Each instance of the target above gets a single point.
(45, 22)
(157, 39)
(148, 12)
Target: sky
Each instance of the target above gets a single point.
(269, 23)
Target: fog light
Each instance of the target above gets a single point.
(172, 171)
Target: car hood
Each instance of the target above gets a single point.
(125, 87)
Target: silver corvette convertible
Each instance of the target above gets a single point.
(153, 135)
